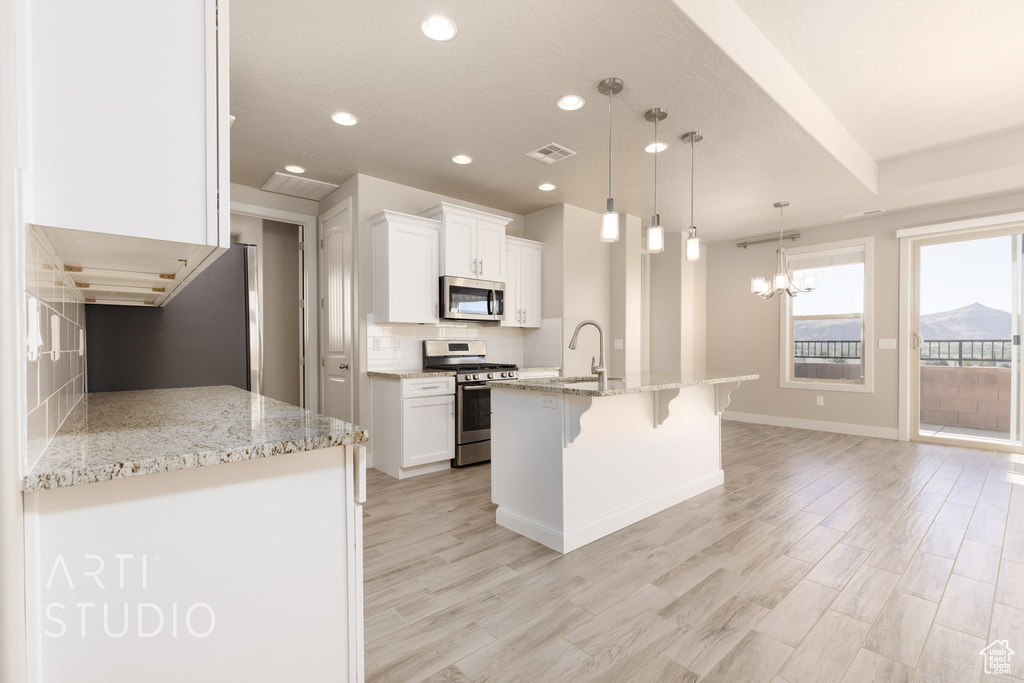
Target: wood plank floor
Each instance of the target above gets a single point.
(823, 557)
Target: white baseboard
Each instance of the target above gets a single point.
(588, 532)
(816, 425)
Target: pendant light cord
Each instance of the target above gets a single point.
(691, 180)
(609, 143)
(656, 167)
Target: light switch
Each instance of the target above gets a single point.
(887, 343)
(618, 344)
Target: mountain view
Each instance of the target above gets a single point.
(975, 321)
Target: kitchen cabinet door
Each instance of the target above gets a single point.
(405, 268)
(472, 242)
(128, 104)
(530, 284)
(428, 430)
(460, 244)
(490, 250)
(513, 310)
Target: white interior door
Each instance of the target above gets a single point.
(337, 366)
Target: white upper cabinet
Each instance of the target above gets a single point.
(523, 282)
(126, 135)
(472, 242)
(406, 283)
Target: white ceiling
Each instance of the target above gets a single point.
(948, 74)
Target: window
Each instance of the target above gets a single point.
(827, 335)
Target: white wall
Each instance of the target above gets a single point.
(586, 287)
(678, 322)
(743, 330)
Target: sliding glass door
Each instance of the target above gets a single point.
(966, 361)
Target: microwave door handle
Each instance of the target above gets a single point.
(490, 302)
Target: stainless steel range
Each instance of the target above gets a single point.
(468, 359)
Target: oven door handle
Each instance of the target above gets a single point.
(475, 387)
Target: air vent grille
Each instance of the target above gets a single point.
(551, 153)
(862, 214)
(282, 183)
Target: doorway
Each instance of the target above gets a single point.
(965, 354)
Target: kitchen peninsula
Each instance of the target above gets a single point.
(200, 534)
(573, 461)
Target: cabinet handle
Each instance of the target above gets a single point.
(481, 266)
(476, 268)
(434, 386)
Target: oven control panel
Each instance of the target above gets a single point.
(484, 376)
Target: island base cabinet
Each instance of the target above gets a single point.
(567, 470)
(246, 571)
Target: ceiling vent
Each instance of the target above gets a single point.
(551, 154)
(282, 183)
(862, 214)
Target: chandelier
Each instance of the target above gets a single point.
(783, 280)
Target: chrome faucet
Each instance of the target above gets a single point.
(596, 367)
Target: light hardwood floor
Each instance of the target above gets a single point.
(823, 557)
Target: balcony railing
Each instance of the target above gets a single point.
(950, 352)
(974, 352)
(804, 351)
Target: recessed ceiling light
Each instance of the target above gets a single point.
(439, 28)
(570, 102)
(294, 169)
(344, 118)
(547, 187)
(462, 159)
(656, 147)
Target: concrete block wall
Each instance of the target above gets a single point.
(965, 397)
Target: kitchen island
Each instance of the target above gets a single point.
(203, 534)
(573, 461)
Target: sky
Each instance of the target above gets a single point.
(952, 276)
(959, 273)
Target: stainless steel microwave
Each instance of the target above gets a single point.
(466, 299)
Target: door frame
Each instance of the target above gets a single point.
(909, 238)
(309, 393)
(354, 370)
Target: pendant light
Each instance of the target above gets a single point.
(692, 242)
(655, 233)
(783, 280)
(610, 220)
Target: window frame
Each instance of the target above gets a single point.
(786, 342)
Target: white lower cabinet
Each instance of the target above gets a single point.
(428, 430)
(413, 424)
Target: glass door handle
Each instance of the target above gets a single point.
(917, 340)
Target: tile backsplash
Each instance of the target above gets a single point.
(55, 349)
(398, 348)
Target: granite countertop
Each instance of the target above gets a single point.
(541, 369)
(122, 434)
(411, 374)
(630, 384)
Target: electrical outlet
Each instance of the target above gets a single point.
(618, 344)
(547, 402)
(398, 342)
(887, 343)
(820, 400)
(376, 343)
(500, 345)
